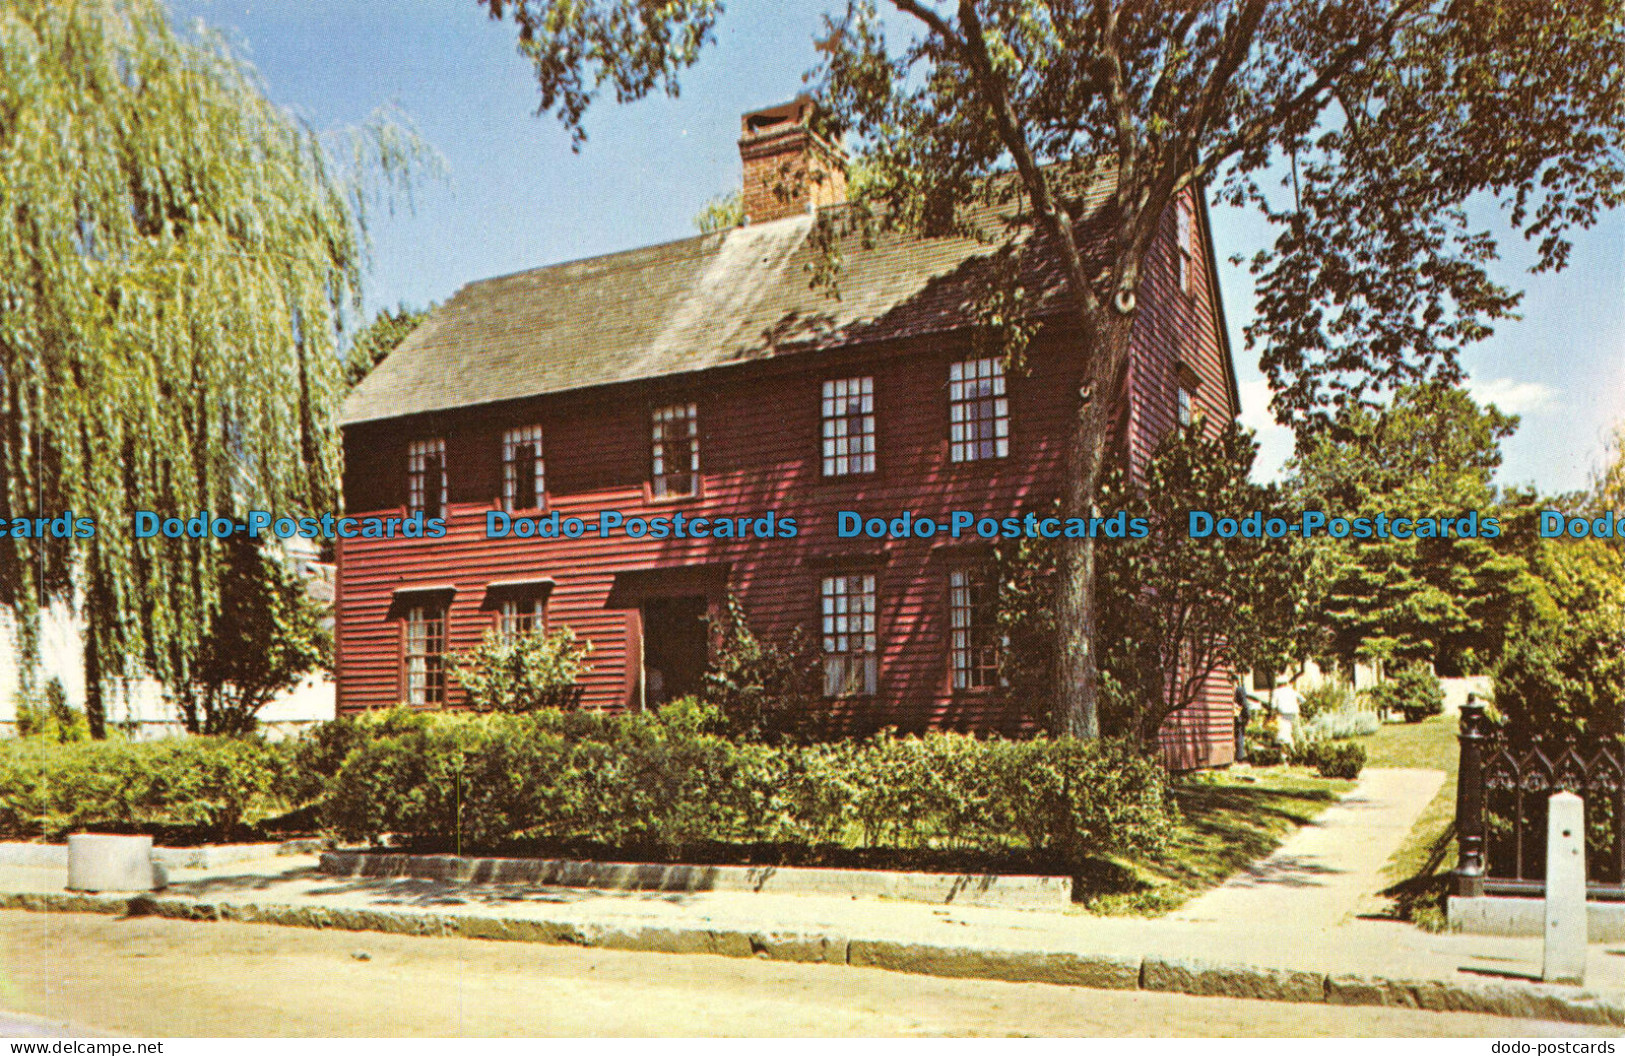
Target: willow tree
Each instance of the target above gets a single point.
(1391, 117)
(177, 257)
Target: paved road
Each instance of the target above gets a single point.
(165, 978)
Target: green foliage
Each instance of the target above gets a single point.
(523, 672)
(211, 784)
(263, 638)
(764, 690)
(1415, 690)
(1563, 669)
(1329, 696)
(1432, 453)
(1344, 759)
(577, 49)
(1340, 725)
(722, 213)
(1174, 610)
(176, 256)
(665, 782)
(1263, 749)
(379, 338)
(50, 718)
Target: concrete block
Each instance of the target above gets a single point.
(111, 863)
(1526, 917)
(1565, 954)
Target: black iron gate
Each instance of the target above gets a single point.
(1501, 793)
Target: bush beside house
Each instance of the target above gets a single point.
(208, 786)
(665, 783)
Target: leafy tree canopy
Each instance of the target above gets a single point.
(1447, 600)
(379, 338)
(263, 638)
(1178, 609)
(176, 256)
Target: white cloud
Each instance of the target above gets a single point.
(1512, 396)
(1274, 441)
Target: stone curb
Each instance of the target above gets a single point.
(1098, 971)
(977, 889)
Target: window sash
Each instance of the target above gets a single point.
(1183, 406)
(847, 411)
(426, 478)
(524, 481)
(675, 451)
(424, 655)
(974, 641)
(520, 616)
(851, 641)
(978, 410)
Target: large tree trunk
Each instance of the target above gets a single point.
(1076, 707)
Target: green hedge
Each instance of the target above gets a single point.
(1333, 758)
(665, 781)
(210, 785)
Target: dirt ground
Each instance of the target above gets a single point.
(159, 978)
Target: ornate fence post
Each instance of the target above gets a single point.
(1470, 800)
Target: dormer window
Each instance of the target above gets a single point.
(675, 451)
(426, 482)
(523, 476)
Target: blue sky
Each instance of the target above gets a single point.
(516, 197)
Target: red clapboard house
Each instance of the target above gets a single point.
(707, 379)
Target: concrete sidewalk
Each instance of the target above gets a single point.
(1285, 929)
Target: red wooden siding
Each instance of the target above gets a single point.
(759, 431)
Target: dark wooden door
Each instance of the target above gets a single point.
(676, 646)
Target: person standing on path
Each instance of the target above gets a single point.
(1285, 700)
(1243, 711)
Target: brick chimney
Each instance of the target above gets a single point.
(789, 169)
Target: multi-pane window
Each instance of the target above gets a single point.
(973, 628)
(848, 411)
(851, 666)
(1184, 407)
(520, 616)
(1186, 254)
(676, 450)
(426, 477)
(425, 655)
(978, 410)
(523, 479)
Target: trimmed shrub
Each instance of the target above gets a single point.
(1325, 697)
(524, 672)
(1333, 758)
(213, 785)
(1263, 749)
(1340, 725)
(1415, 691)
(665, 782)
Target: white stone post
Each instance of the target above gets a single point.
(1565, 890)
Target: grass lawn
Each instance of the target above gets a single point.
(1419, 872)
(1228, 819)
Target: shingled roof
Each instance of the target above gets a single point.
(696, 304)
